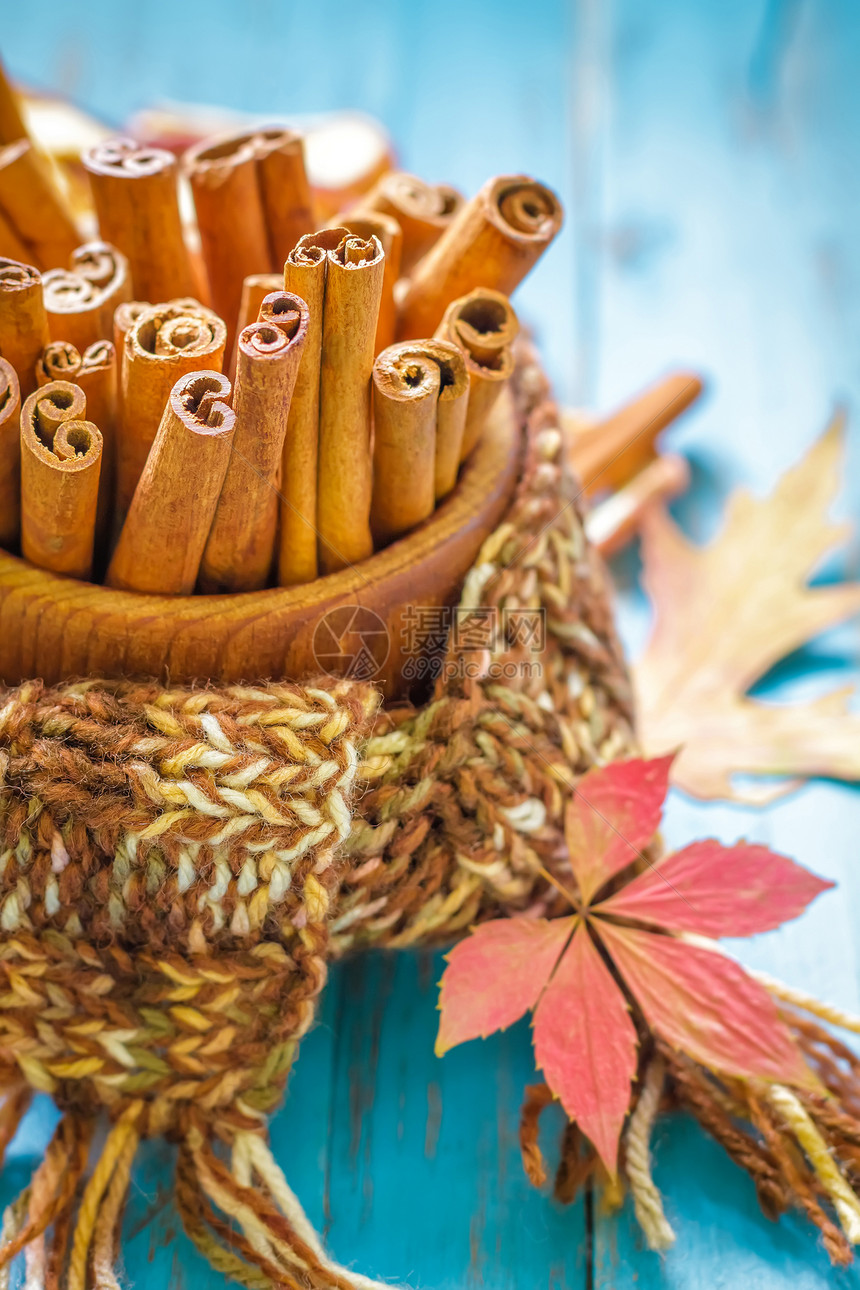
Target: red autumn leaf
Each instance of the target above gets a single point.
(718, 891)
(585, 1043)
(496, 975)
(698, 1000)
(705, 1004)
(614, 813)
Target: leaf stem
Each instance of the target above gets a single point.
(559, 886)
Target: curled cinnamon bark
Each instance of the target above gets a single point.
(124, 318)
(60, 465)
(405, 391)
(354, 273)
(95, 372)
(420, 396)
(368, 224)
(80, 301)
(23, 321)
(241, 543)
(35, 214)
(10, 456)
(305, 276)
(422, 210)
(135, 193)
(253, 202)
(163, 344)
(484, 326)
(164, 534)
(255, 288)
(493, 241)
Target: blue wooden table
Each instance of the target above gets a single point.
(707, 156)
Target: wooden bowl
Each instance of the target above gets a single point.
(355, 622)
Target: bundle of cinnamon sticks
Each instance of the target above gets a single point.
(273, 409)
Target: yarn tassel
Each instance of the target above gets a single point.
(50, 1195)
(246, 1220)
(106, 1232)
(13, 1108)
(14, 1218)
(647, 1201)
(114, 1162)
(841, 1195)
(50, 1199)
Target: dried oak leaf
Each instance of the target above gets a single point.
(724, 614)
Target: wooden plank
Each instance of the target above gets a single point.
(726, 234)
(425, 1183)
(723, 1238)
(723, 219)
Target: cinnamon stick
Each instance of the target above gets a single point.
(33, 207)
(614, 522)
(377, 224)
(10, 454)
(304, 276)
(255, 288)
(354, 273)
(451, 413)
(285, 191)
(405, 392)
(422, 210)
(420, 396)
(60, 465)
(251, 196)
(492, 241)
(124, 318)
(484, 326)
(241, 544)
(80, 301)
(12, 246)
(12, 125)
(613, 450)
(135, 192)
(95, 372)
(164, 534)
(165, 343)
(23, 321)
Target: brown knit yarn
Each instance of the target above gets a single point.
(693, 1090)
(800, 1181)
(466, 796)
(168, 864)
(536, 1099)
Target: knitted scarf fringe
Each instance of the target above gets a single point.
(801, 1148)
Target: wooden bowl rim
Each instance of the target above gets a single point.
(504, 434)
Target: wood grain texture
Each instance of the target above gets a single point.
(54, 627)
